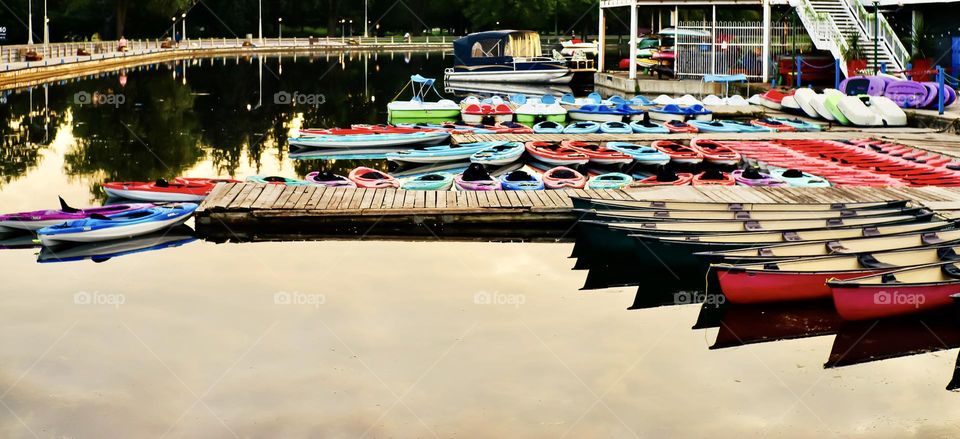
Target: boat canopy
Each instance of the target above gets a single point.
(496, 46)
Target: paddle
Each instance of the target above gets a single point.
(954, 384)
(66, 208)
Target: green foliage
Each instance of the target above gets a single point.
(854, 48)
(921, 44)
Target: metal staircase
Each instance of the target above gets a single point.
(831, 24)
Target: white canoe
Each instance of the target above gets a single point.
(804, 96)
(889, 111)
(857, 112)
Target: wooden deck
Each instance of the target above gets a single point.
(249, 211)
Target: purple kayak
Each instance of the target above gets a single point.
(753, 177)
(329, 179)
(476, 178)
(32, 221)
(906, 94)
(863, 85)
(932, 93)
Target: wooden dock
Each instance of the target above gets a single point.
(256, 212)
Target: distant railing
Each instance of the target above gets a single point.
(824, 32)
(734, 47)
(894, 47)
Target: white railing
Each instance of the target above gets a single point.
(824, 32)
(737, 48)
(891, 44)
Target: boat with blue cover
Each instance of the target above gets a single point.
(603, 113)
(582, 128)
(441, 153)
(548, 127)
(610, 180)
(615, 128)
(435, 181)
(648, 127)
(505, 56)
(520, 180)
(643, 155)
(499, 155)
(124, 225)
(418, 107)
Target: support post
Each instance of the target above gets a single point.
(876, 36)
(940, 79)
(799, 70)
(836, 74)
(713, 41)
(765, 63)
(633, 40)
(601, 40)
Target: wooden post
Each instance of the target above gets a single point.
(601, 40)
(633, 39)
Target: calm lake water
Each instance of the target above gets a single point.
(389, 339)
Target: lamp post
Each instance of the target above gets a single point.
(280, 28)
(173, 28)
(343, 28)
(351, 28)
(46, 26)
(29, 21)
(183, 33)
(366, 24)
(260, 21)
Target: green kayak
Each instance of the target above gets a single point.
(831, 103)
(434, 181)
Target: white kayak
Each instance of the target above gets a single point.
(857, 112)
(819, 103)
(889, 111)
(370, 140)
(804, 98)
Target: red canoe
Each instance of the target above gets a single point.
(598, 154)
(556, 154)
(715, 152)
(176, 190)
(679, 153)
(895, 293)
(372, 178)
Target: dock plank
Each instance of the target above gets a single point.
(315, 197)
(305, 197)
(251, 197)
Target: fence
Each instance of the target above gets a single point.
(733, 47)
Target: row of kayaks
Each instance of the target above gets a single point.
(117, 221)
(764, 125)
(904, 93)
(875, 260)
(835, 106)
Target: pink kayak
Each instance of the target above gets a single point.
(329, 179)
(32, 221)
(476, 178)
(562, 177)
(753, 177)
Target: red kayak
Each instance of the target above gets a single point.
(176, 190)
(666, 179)
(774, 98)
(598, 154)
(898, 292)
(676, 126)
(679, 153)
(556, 154)
(564, 178)
(713, 178)
(372, 178)
(715, 152)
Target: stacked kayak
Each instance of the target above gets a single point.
(644, 155)
(435, 181)
(273, 179)
(674, 112)
(365, 177)
(126, 224)
(678, 153)
(179, 189)
(556, 154)
(609, 180)
(666, 178)
(582, 128)
(715, 152)
(548, 127)
(329, 179)
(441, 153)
(498, 155)
(365, 138)
(713, 178)
(647, 127)
(596, 153)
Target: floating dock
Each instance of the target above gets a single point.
(258, 212)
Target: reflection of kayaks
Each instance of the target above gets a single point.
(39, 219)
(178, 189)
(124, 225)
(102, 251)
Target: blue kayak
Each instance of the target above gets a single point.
(582, 128)
(611, 180)
(499, 155)
(601, 113)
(615, 128)
(747, 127)
(128, 224)
(442, 153)
(547, 127)
(520, 181)
(676, 112)
(647, 127)
(435, 181)
(103, 251)
(715, 126)
(644, 155)
(799, 125)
